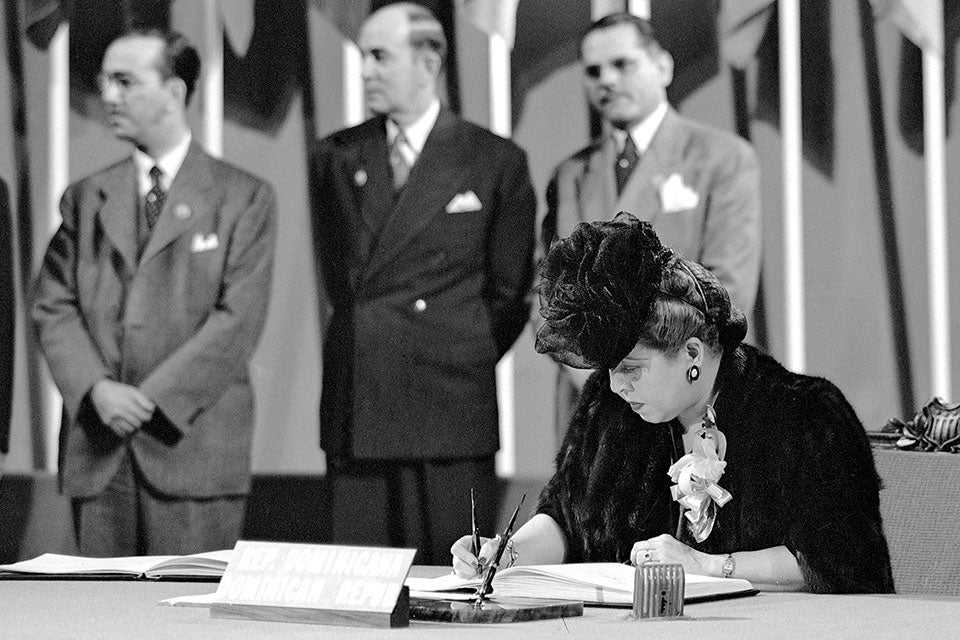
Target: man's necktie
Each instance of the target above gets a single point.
(398, 162)
(626, 161)
(155, 197)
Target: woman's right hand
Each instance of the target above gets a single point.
(467, 565)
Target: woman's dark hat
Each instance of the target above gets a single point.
(597, 286)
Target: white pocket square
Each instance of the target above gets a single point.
(204, 242)
(675, 195)
(463, 202)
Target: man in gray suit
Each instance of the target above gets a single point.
(149, 305)
(698, 186)
(425, 230)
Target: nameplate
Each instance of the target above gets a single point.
(320, 584)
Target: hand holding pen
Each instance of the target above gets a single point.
(472, 553)
(504, 541)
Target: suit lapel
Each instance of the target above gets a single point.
(434, 179)
(374, 159)
(641, 192)
(118, 215)
(598, 195)
(186, 202)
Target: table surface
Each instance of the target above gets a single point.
(53, 609)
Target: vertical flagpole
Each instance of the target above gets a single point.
(934, 133)
(498, 21)
(352, 83)
(789, 13)
(58, 130)
(212, 78)
(499, 66)
(498, 52)
(58, 176)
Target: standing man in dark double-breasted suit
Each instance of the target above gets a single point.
(424, 226)
(149, 305)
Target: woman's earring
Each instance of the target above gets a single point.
(693, 373)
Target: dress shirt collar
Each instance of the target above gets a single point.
(169, 164)
(416, 133)
(643, 133)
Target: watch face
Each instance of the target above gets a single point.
(728, 566)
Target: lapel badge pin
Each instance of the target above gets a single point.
(360, 177)
(182, 211)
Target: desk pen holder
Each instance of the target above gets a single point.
(658, 590)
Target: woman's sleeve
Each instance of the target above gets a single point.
(559, 498)
(554, 503)
(832, 486)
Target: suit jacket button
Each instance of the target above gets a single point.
(420, 305)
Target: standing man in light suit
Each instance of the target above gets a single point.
(698, 186)
(149, 305)
(425, 230)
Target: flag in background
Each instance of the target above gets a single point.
(237, 20)
(742, 26)
(553, 43)
(261, 81)
(41, 19)
(688, 30)
(345, 15)
(750, 28)
(910, 113)
(494, 16)
(917, 19)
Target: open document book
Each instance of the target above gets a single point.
(596, 583)
(210, 565)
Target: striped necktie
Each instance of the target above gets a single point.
(398, 161)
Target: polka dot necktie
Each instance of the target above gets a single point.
(155, 197)
(626, 161)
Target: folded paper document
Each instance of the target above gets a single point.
(200, 565)
(595, 583)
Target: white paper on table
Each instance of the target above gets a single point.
(200, 600)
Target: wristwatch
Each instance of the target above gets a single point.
(729, 565)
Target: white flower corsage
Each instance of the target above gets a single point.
(696, 475)
(675, 195)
